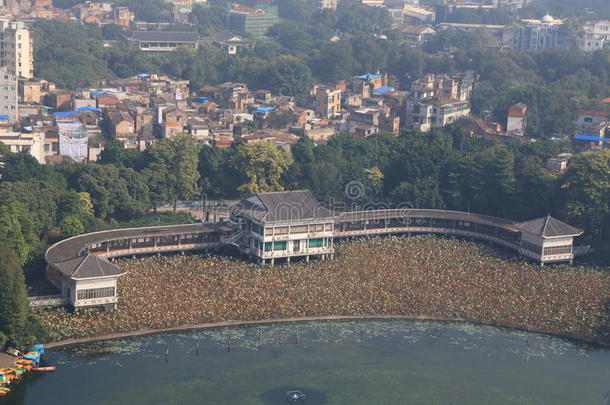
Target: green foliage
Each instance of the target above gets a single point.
(17, 230)
(209, 19)
(176, 159)
(585, 193)
(263, 165)
(13, 298)
(71, 226)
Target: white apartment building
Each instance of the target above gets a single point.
(16, 48)
(596, 36)
(9, 97)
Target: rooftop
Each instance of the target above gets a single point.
(165, 36)
(283, 206)
(549, 227)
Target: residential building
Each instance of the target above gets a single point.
(163, 41)
(16, 49)
(32, 90)
(592, 122)
(405, 14)
(517, 119)
(418, 33)
(33, 143)
(253, 21)
(9, 100)
(231, 43)
(327, 101)
(369, 121)
(424, 115)
(596, 36)
(558, 164)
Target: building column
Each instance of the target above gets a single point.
(288, 260)
(323, 257)
(272, 262)
(307, 259)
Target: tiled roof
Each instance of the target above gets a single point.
(89, 266)
(283, 206)
(549, 227)
(165, 36)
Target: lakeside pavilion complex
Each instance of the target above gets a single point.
(279, 227)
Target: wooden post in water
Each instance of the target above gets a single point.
(197, 349)
(361, 330)
(260, 339)
(167, 353)
(228, 344)
(296, 336)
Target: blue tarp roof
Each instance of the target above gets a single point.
(383, 89)
(590, 138)
(46, 107)
(143, 75)
(64, 114)
(200, 100)
(28, 128)
(3, 117)
(89, 108)
(368, 76)
(98, 92)
(264, 109)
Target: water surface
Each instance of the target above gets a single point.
(368, 362)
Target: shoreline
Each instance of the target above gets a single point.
(223, 324)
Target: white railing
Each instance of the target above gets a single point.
(47, 301)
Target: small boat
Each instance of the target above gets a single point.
(44, 369)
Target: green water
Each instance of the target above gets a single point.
(372, 362)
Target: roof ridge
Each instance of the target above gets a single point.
(546, 223)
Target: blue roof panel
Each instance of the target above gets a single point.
(368, 76)
(590, 138)
(383, 89)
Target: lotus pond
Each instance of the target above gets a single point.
(352, 362)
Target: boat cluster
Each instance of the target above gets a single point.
(28, 362)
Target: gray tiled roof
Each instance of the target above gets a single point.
(165, 36)
(89, 266)
(549, 227)
(283, 206)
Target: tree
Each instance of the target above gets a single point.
(71, 226)
(263, 165)
(289, 75)
(16, 230)
(177, 157)
(423, 193)
(13, 297)
(585, 194)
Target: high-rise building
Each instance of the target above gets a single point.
(253, 21)
(9, 101)
(16, 48)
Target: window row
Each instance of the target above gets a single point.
(94, 293)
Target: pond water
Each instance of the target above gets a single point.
(368, 362)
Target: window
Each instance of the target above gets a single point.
(268, 246)
(94, 293)
(558, 250)
(279, 245)
(588, 119)
(316, 243)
